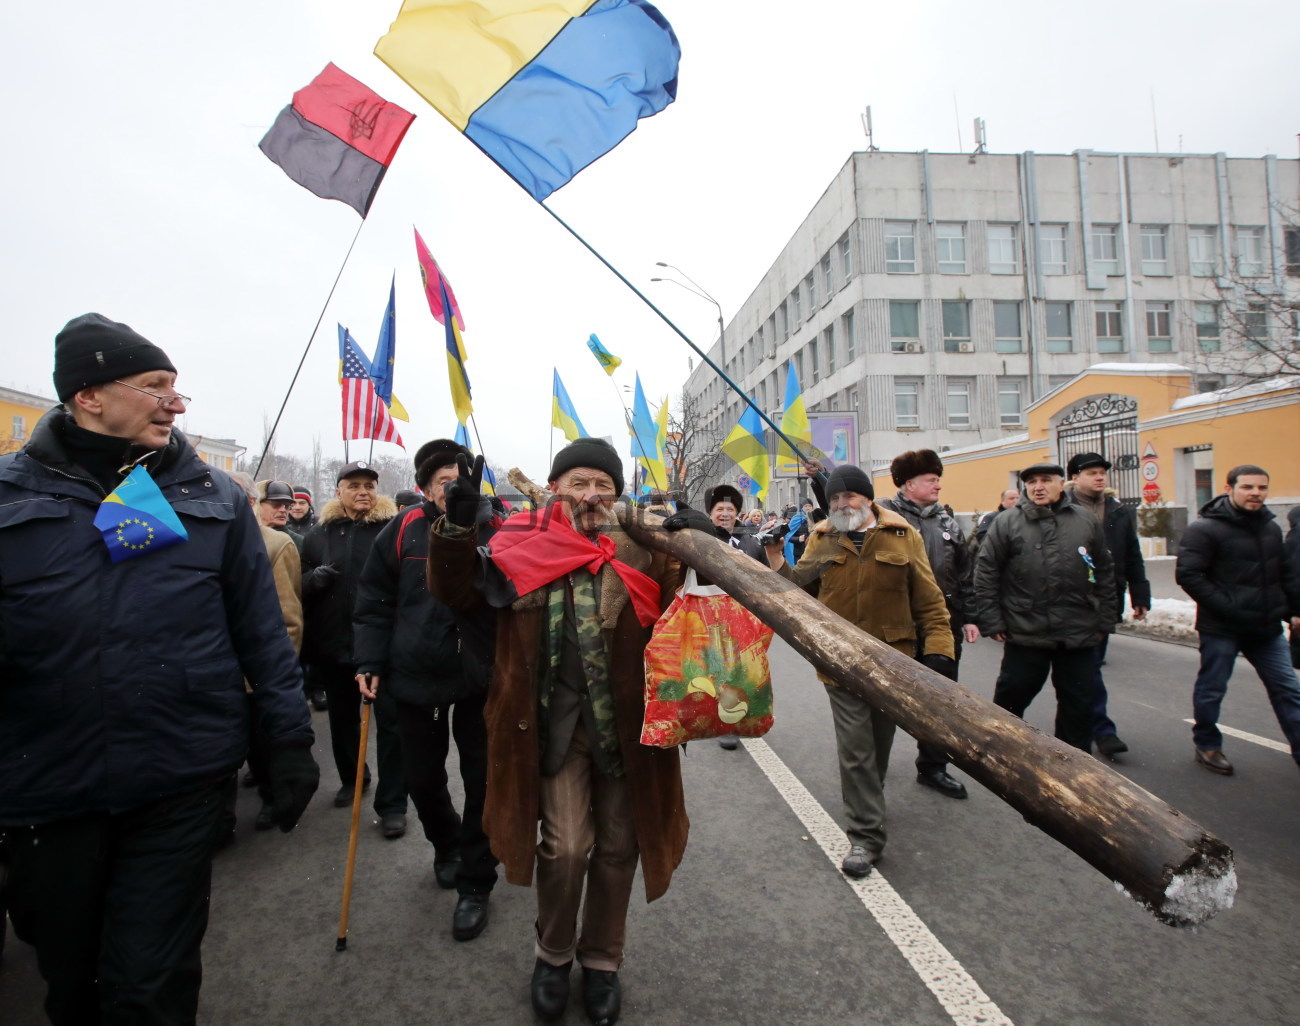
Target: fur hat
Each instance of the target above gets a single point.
(914, 464)
(431, 457)
(91, 350)
(848, 478)
(722, 493)
(589, 452)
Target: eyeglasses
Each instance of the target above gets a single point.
(165, 402)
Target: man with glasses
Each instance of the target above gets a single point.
(123, 714)
(274, 501)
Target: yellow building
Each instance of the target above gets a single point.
(19, 412)
(1167, 444)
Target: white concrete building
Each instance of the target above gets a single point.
(938, 295)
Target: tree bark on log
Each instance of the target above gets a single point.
(1160, 858)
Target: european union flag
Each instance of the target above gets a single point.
(135, 519)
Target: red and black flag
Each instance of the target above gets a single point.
(337, 138)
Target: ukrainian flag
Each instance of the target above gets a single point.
(543, 87)
(563, 415)
(135, 519)
(645, 442)
(794, 425)
(747, 447)
(609, 363)
(489, 485)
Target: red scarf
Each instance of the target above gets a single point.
(533, 551)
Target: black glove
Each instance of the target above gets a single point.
(320, 579)
(941, 665)
(294, 779)
(461, 496)
(689, 520)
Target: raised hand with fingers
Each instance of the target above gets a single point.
(461, 496)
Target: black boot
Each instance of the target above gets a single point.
(550, 989)
(603, 996)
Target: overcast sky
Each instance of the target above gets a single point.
(136, 187)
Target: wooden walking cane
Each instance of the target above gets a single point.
(342, 943)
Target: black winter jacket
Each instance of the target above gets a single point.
(1126, 553)
(1033, 582)
(1232, 563)
(328, 599)
(946, 549)
(400, 631)
(124, 683)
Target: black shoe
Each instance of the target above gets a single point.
(393, 825)
(319, 701)
(550, 989)
(445, 868)
(941, 782)
(1110, 745)
(858, 862)
(265, 818)
(470, 917)
(602, 995)
(730, 742)
(343, 796)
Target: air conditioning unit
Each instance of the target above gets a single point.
(770, 354)
(965, 347)
(913, 347)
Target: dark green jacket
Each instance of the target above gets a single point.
(1033, 583)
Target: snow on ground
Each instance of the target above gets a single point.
(1167, 620)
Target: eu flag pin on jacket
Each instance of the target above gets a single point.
(135, 519)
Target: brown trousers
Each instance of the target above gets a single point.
(588, 835)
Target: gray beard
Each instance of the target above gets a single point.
(848, 520)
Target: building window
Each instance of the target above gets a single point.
(904, 326)
(847, 326)
(796, 318)
(1060, 328)
(1159, 334)
(1254, 320)
(958, 404)
(1209, 383)
(950, 245)
(1250, 252)
(18, 429)
(1203, 251)
(810, 285)
(846, 257)
(1105, 248)
(798, 367)
(956, 328)
(1206, 316)
(1110, 328)
(814, 352)
(900, 247)
(1155, 249)
(828, 277)
(1011, 402)
(1003, 256)
(782, 322)
(1055, 381)
(828, 343)
(1291, 242)
(1006, 328)
(907, 404)
(1051, 249)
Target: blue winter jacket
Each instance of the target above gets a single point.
(121, 684)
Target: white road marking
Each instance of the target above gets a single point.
(1265, 742)
(954, 988)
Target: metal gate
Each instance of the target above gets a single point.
(1106, 424)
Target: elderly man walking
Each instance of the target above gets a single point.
(868, 564)
(1044, 586)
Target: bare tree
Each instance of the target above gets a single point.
(691, 453)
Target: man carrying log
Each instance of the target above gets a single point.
(867, 564)
(575, 600)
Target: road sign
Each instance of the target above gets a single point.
(1149, 452)
(1150, 470)
(1151, 492)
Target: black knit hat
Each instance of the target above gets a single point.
(589, 452)
(848, 478)
(91, 349)
(431, 457)
(722, 493)
(914, 464)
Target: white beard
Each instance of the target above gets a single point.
(848, 520)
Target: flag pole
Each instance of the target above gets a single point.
(310, 339)
(477, 437)
(803, 458)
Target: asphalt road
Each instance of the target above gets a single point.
(759, 927)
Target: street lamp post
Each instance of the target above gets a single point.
(699, 291)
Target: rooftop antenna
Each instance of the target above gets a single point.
(981, 140)
(866, 127)
(1155, 125)
(957, 117)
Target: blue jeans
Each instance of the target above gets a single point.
(1271, 659)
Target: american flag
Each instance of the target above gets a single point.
(364, 413)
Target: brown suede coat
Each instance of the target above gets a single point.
(654, 777)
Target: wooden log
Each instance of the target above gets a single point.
(1160, 858)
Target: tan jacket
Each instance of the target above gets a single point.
(287, 571)
(887, 589)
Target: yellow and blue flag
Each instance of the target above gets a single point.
(747, 447)
(543, 87)
(607, 360)
(794, 425)
(489, 485)
(645, 442)
(381, 368)
(135, 519)
(563, 415)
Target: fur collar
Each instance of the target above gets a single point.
(384, 509)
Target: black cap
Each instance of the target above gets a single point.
(91, 349)
(405, 498)
(274, 491)
(722, 493)
(1042, 468)
(357, 467)
(1083, 460)
(589, 452)
(848, 478)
